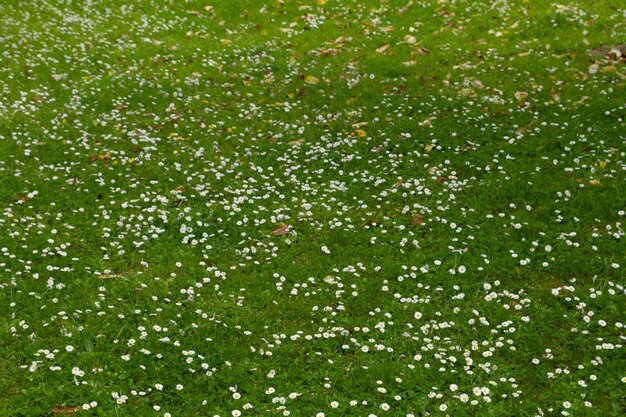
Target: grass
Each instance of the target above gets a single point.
(312, 208)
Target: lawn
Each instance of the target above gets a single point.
(312, 208)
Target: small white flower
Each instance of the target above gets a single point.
(334, 404)
(443, 407)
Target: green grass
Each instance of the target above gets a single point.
(312, 208)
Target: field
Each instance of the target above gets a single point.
(314, 208)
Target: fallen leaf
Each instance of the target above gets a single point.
(65, 409)
(383, 48)
(595, 183)
(614, 54)
(311, 80)
(110, 276)
(602, 164)
(605, 50)
(581, 101)
(417, 219)
(282, 230)
(410, 39)
(296, 142)
(520, 95)
(555, 96)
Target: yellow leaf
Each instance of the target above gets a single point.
(602, 164)
(309, 79)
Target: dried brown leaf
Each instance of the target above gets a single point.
(410, 39)
(383, 48)
(282, 230)
(65, 409)
(417, 219)
(521, 95)
(296, 142)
